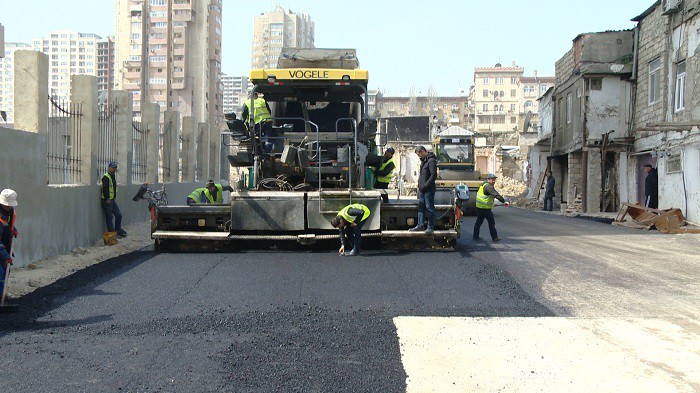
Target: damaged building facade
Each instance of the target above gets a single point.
(592, 120)
(667, 104)
(624, 99)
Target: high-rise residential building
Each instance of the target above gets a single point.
(105, 67)
(169, 52)
(236, 90)
(70, 53)
(503, 96)
(277, 29)
(7, 82)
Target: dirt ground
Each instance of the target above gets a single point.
(24, 280)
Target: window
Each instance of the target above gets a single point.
(513, 119)
(485, 107)
(569, 104)
(486, 93)
(513, 93)
(502, 93)
(512, 107)
(513, 80)
(543, 89)
(532, 90)
(499, 80)
(679, 96)
(495, 108)
(654, 81)
(486, 81)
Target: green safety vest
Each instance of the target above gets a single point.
(198, 195)
(387, 178)
(112, 187)
(348, 218)
(484, 201)
(261, 113)
(219, 195)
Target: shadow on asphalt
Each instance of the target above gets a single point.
(79, 284)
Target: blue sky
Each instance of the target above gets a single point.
(402, 43)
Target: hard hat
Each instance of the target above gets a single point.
(112, 165)
(8, 197)
(491, 176)
(390, 150)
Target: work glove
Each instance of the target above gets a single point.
(14, 232)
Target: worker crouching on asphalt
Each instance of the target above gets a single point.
(349, 222)
(8, 232)
(484, 205)
(210, 193)
(109, 204)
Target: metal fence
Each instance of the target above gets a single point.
(138, 146)
(63, 139)
(107, 144)
(165, 143)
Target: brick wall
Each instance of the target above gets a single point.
(564, 67)
(575, 172)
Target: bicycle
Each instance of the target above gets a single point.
(155, 198)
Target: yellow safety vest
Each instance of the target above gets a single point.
(484, 201)
(261, 113)
(348, 218)
(112, 187)
(219, 195)
(387, 178)
(198, 195)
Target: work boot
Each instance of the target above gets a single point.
(352, 253)
(417, 228)
(429, 230)
(496, 240)
(121, 234)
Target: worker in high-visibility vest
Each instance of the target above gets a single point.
(484, 205)
(261, 120)
(384, 172)
(108, 195)
(8, 231)
(210, 193)
(349, 222)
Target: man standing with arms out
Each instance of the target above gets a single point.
(484, 205)
(651, 187)
(549, 191)
(383, 173)
(109, 204)
(426, 191)
(8, 231)
(349, 222)
(262, 120)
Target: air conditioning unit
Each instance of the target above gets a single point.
(670, 6)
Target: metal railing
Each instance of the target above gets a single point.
(107, 143)
(64, 139)
(138, 152)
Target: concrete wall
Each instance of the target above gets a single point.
(608, 109)
(55, 219)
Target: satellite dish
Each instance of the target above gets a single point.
(528, 119)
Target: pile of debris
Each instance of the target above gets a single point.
(576, 206)
(664, 221)
(510, 187)
(527, 203)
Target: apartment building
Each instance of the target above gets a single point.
(169, 52)
(7, 81)
(279, 29)
(105, 67)
(70, 53)
(235, 90)
(496, 97)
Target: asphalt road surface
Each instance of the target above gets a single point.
(275, 320)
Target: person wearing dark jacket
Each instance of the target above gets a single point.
(426, 191)
(349, 222)
(549, 192)
(651, 187)
(484, 205)
(108, 195)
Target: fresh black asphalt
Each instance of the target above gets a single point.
(248, 321)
